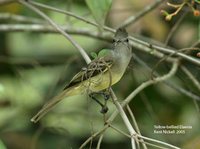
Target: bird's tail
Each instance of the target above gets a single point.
(47, 107)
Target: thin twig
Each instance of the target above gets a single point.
(90, 146)
(154, 81)
(196, 104)
(99, 141)
(135, 124)
(84, 54)
(125, 119)
(105, 37)
(191, 76)
(72, 15)
(146, 84)
(39, 28)
(93, 136)
(183, 91)
(137, 43)
(150, 82)
(174, 86)
(119, 131)
(174, 28)
(20, 18)
(142, 13)
(156, 146)
(196, 83)
(160, 142)
(169, 56)
(140, 88)
(148, 106)
(140, 140)
(58, 28)
(132, 95)
(180, 54)
(152, 48)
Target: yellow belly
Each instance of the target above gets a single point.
(104, 81)
(95, 84)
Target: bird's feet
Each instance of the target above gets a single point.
(106, 95)
(104, 109)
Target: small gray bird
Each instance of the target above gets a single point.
(100, 74)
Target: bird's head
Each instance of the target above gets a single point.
(121, 37)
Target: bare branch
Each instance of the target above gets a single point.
(145, 85)
(40, 28)
(135, 124)
(63, 12)
(125, 118)
(58, 28)
(148, 48)
(160, 142)
(93, 136)
(157, 50)
(191, 76)
(142, 13)
(137, 43)
(183, 91)
(130, 97)
(174, 28)
(150, 82)
(174, 86)
(84, 54)
(195, 82)
(138, 90)
(99, 141)
(19, 18)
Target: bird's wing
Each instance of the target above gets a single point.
(97, 66)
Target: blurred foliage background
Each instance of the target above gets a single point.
(35, 66)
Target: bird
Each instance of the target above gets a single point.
(99, 75)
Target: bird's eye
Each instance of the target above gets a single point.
(127, 40)
(114, 40)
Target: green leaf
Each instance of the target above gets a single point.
(103, 52)
(94, 55)
(99, 9)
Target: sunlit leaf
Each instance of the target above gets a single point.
(93, 54)
(103, 52)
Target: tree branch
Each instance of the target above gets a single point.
(40, 28)
(58, 28)
(84, 54)
(191, 76)
(137, 43)
(125, 119)
(150, 82)
(174, 86)
(19, 18)
(136, 126)
(99, 141)
(130, 97)
(142, 13)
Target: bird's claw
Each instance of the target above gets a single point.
(104, 110)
